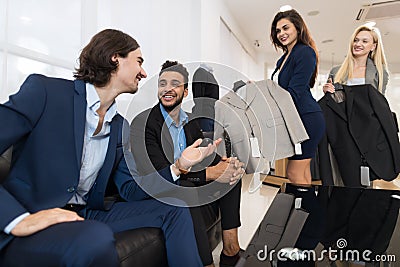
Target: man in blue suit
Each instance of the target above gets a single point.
(69, 147)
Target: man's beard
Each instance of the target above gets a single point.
(172, 107)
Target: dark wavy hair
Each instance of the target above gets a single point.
(303, 35)
(95, 60)
(175, 66)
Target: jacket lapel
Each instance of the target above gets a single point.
(349, 101)
(111, 149)
(79, 118)
(335, 106)
(235, 100)
(189, 134)
(165, 136)
(97, 196)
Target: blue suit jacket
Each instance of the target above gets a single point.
(295, 77)
(45, 122)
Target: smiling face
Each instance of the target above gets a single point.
(171, 89)
(363, 44)
(129, 72)
(286, 33)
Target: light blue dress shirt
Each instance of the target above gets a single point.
(94, 146)
(177, 132)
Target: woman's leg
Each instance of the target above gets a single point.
(298, 171)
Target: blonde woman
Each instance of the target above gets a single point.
(365, 62)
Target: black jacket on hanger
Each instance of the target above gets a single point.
(361, 132)
(205, 90)
(365, 218)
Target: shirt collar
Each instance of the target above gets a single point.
(93, 102)
(183, 117)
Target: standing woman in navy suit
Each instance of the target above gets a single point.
(296, 71)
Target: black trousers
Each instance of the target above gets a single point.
(229, 207)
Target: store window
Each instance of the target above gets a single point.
(48, 27)
(18, 68)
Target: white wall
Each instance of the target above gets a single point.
(46, 36)
(185, 30)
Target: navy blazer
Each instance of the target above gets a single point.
(45, 123)
(295, 76)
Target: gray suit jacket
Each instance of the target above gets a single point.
(269, 113)
(371, 75)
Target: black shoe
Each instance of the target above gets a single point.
(228, 261)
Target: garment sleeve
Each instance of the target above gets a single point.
(385, 81)
(385, 117)
(19, 116)
(218, 127)
(292, 119)
(22, 111)
(14, 222)
(324, 162)
(144, 146)
(304, 67)
(131, 186)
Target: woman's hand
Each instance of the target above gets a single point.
(328, 87)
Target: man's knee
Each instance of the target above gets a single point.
(93, 246)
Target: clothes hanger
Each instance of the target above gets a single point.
(338, 87)
(206, 67)
(237, 85)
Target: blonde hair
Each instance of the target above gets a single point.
(377, 55)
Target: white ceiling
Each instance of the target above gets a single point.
(336, 20)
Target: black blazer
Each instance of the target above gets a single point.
(205, 90)
(361, 128)
(366, 218)
(153, 148)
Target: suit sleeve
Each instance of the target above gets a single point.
(133, 187)
(19, 116)
(305, 62)
(324, 162)
(218, 127)
(385, 81)
(385, 116)
(292, 119)
(142, 152)
(22, 112)
(198, 173)
(131, 184)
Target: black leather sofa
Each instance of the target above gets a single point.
(145, 246)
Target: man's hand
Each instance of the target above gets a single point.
(42, 219)
(194, 154)
(228, 170)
